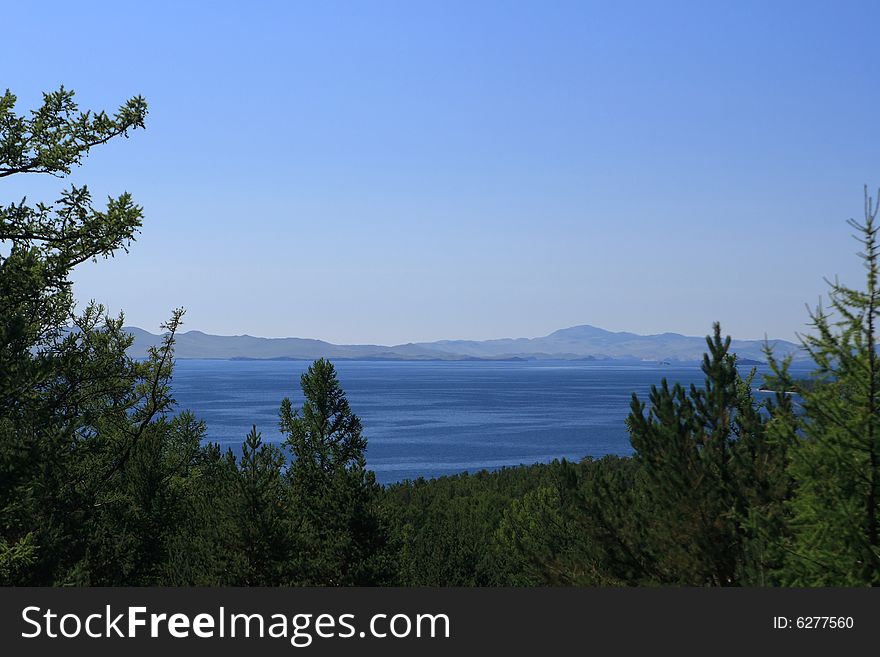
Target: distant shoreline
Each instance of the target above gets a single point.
(344, 359)
(585, 344)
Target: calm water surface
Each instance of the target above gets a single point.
(430, 419)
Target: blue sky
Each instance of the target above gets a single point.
(390, 172)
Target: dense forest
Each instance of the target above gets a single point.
(103, 481)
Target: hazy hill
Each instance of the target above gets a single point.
(577, 342)
(581, 341)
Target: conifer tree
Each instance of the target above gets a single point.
(262, 512)
(836, 462)
(74, 408)
(708, 474)
(339, 525)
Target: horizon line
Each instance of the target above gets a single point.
(416, 342)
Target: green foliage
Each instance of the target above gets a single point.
(262, 513)
(74, 409)
(16, 558)
(43, 242)
(836, 464)
(711, 477)
(57, 136)
(444, 528)
(139, 513)
(537, 537)
(339, 525)
(207, 548)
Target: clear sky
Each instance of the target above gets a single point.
(391, 172)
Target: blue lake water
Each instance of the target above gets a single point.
(434, 418)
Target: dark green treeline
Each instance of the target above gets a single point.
(104, 482)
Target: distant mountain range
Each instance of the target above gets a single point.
(575, 343)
